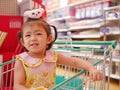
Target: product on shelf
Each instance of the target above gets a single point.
(2, 37)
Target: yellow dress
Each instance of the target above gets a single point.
(39, 73)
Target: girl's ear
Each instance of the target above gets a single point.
(49, 39)
(21, 41)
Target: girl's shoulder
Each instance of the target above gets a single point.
(24, 57)
(51, 55)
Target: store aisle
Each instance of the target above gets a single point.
(114, 84)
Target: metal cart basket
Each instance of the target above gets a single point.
(7, 75)
(99, 53)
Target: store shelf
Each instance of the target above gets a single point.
(71, 5)
(116, 59)
(113, 19)
(114, 76)
(82, 2)
(112, 8)
(61, 18)
(86, 36)
(62, 30)
(84, 27)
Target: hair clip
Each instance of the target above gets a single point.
(53, 32)
(34, 13)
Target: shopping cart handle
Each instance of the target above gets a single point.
(7, 62)
(113, 43)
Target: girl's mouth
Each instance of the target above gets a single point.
(34, 45)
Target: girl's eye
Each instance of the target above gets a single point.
(38, 33)
(27, 35)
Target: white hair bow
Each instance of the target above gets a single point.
(34, 13)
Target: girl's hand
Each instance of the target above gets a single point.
(95, 74)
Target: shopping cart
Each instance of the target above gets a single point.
(76, 79)
(6, 75)
(72, 78)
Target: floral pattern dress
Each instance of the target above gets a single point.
(39, 72)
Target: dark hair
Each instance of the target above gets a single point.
(45, 25)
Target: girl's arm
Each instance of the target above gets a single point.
(19, 76)
(79, 63)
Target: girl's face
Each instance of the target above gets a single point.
(35, 39)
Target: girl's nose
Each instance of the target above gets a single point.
(33, 38)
